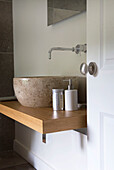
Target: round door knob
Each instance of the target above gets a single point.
(84, 68)
(92, 68)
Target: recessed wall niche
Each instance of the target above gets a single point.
(59, 10)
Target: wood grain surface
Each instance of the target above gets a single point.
(44, 120)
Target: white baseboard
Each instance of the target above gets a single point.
(31, 157)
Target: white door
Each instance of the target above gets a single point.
(100, 41)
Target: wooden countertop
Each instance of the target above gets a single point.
(44, 120)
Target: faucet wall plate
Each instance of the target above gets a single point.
(81, 48)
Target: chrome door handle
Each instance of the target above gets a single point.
(91, 68)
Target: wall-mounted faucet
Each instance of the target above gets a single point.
(79, 48)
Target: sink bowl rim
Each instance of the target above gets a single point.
(42, 77)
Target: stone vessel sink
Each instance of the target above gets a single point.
(37, 91)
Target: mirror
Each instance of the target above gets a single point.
(59, 10)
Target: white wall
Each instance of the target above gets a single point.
(32, 40)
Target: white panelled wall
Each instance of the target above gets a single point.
(32, 40)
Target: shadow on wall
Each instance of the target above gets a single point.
(82, 91)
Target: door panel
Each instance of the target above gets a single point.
(100, 89)
(107, 141)
(107, 36)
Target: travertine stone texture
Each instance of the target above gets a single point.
(37, 91)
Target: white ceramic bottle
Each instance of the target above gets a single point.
(71, 98)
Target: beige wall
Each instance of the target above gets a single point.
(32, 40)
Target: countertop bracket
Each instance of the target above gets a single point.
(44, 138)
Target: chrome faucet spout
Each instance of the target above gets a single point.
(79, 48)
(59, 49)
(49, 55)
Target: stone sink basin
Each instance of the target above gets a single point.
(37, 91)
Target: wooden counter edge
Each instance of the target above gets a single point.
(67, 123)
(45, 126)
(27, 120)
